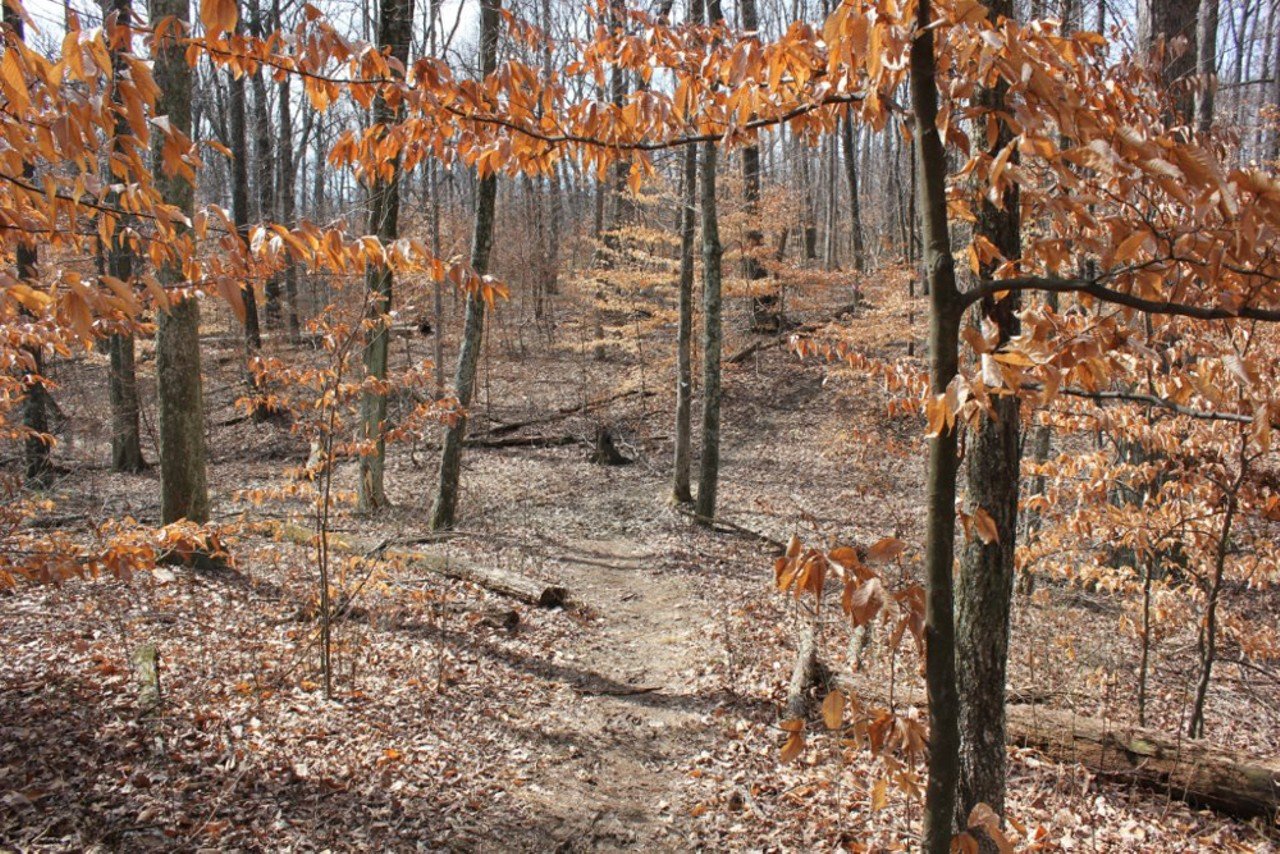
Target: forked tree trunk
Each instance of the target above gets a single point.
(940, 526)
(395, 32)
(986, 569)
(444, 510)
(183, 491)
(126, 438)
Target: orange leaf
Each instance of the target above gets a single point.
(985, 526)
(793, 747)
(833, 710)
(218, 16)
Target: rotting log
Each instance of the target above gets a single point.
(507, 583)
(1190, 770)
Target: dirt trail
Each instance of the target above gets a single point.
(628, 720)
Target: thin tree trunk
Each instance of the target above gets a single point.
(940, 526)
(265, 162)
(240, 199)
(444, 509)
(288, 196)
(709, 464)
(680, 491)
(126, 437)
(764, 307)
(851, 172)
(395, 32)
(183, 490)
(1207, 644)
(1206, 63)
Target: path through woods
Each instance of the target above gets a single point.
(643, 720)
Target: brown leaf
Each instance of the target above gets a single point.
(833, 709)
(793, 747)
(985, 527)
(885, 550)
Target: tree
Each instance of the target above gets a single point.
(238, 130)
(709, 461)
(35, 406)
(183, 491)
(985, 583)
(444, 509)
(126, 439)
(850, 137)
(1174, 21)
(394, 32)
(945, 311)
(680, 491)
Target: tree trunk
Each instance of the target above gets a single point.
(851, 172)
(680, 492)
(709, 464)
(445, 507)
(183, 491)
(395, 32)
(764, 307)
(288, 189)
(944, 333)
(126, 437)
(238, 131)
(986, 569)
(264, 160)
(1206, 63)
(1172, 19)
(35, 405)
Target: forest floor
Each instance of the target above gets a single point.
(644, 717)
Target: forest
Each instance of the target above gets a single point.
(574, 425)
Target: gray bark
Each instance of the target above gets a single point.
(444, 510)
(709, 463)
(1206, 63)
(394, 32)
(985, 586)
(183, 490)
(126, 438)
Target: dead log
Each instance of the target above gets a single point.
(564, 412)
(502, 581)
(1190, 770)
(521, 441)
(511, 584)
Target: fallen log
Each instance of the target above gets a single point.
(563, 412)
(521, 441)
(1190, 770)
(507, 583)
